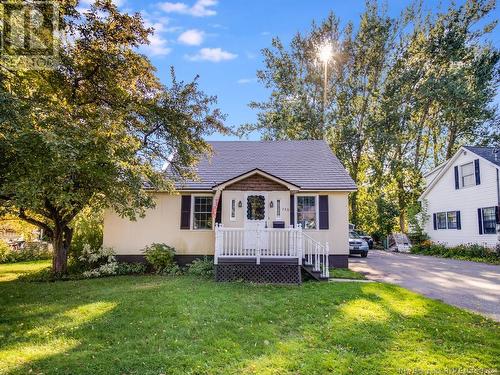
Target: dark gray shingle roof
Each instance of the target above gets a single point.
(487, 153)
(310, 165)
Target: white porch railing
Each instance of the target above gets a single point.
(277, 243)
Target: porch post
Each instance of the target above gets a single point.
(298, 244)
(257, 246)
(327, 265)
(217, 244)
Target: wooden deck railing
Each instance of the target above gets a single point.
(282, 243)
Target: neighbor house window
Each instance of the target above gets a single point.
(441, 220)
(306, 211)
(233, 210)
(489, 221)
(468, 176)
(278, 208)
(202, 213)
(452, 219)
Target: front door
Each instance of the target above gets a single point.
(255, 220)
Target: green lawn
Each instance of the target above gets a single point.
(163, 325)
(346, 273)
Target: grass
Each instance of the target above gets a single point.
(346, 273)
(184, 325)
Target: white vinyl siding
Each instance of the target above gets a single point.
(443, 197)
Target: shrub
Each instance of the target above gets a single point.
(173, 270)
(30, 251)
(160, 256)
(98, 262)
(201, 267)
(131, 268)
(5, 252)
(87, 230)
(467, 252)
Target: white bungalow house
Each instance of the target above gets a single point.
(265, 212)
(462, 198)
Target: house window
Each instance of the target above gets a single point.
(202, 213)
(468, 176)
(489, 220)
(278, 208)
(233, 210)
(256, 207)
(452, 219)
(441, 220)
(306, 211)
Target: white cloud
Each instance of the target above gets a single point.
(157, 41)
(192, 37)
(202, 8)
(244, 81)
(212, 54)
(157, 46)
(265, 33)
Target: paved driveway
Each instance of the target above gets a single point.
(469, 285)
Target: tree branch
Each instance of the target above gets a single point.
(38, 223)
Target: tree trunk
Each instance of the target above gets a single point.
(61, 241)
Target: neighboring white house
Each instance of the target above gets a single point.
(279, 207)
(462, 198)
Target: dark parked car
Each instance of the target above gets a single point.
(366, 237)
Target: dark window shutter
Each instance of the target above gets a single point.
(185, 212)
(218, 215)
(457, 184)
(323, 212)
(292, 210)
(480, 220)
(476, 168)
(459, 220)
(434, 219)
(497, 214)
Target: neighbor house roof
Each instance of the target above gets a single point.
(483, 152)
(487, 153)
(310, 165)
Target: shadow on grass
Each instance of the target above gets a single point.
(152, 325)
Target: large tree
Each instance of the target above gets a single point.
(403, 93)
(96, 128)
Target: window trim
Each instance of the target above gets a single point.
(278, 209)
(482, 219)
(447, 224)
(232, 210)
(448, 221)
(316, 204)
(461, 175)
(445, 220)
(193, 198)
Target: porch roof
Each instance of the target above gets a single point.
(310, 165)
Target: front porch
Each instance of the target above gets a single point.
(275, 255)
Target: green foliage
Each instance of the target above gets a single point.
(131, 269)
(403, 93)
(161, 257)
(87, 230)
(345, 273)
(472, 252)
(30, 251)
(98, 262)
(201, 267)
(95, 128)
(381, 328)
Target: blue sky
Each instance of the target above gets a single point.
(221, 40)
